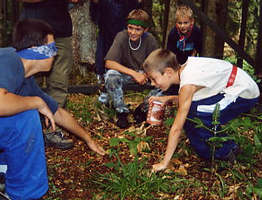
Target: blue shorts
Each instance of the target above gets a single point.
(21, 140)
(203, 109)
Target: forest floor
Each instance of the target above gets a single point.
(125, 172)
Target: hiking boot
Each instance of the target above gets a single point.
(57, 140)
(140, 113)
(122, 121)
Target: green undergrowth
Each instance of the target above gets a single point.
(129, 174)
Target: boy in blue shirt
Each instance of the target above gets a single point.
(21, 101)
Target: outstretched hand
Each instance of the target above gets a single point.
(158, 167)
(96, 148)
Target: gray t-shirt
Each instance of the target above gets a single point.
(121, 52)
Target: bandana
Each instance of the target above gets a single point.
(39, 53)
(183, 38)
(137, 22)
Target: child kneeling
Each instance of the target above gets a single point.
(204, 82)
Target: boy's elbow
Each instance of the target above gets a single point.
(107, 64)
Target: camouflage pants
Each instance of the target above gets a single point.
(114, 82)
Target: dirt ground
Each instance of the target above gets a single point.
(70, 171)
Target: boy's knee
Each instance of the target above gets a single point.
(113, 81)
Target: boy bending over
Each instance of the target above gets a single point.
(200, 90)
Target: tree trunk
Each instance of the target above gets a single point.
(171, 17)
(221, 12)
(165, 21)
(242, 35)
(147, 6)
(209, 45)
(259, 44)
(84, 37)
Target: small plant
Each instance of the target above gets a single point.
(81, 110)
(217, 140)
(133, 181)
(132, 143)
(256, 190)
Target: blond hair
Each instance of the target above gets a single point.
(160, 59)
(184, 11)
(139, 14)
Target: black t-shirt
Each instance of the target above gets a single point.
(193, 42)
(54, 12)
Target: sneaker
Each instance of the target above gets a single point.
(2, 182)
(122, 121)
(4, 196)
(140, 113)
(57, 140)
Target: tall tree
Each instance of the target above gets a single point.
(171, 19)
(221, 19)
(209, 48)
(84, 37)
(259, 44)
(243, 26)
(165, 21)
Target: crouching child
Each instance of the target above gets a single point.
(204, 82)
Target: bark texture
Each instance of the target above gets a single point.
(209, 49)
(84, 34)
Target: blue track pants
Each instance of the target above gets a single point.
(203, 109)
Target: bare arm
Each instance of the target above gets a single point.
(185, 99)
(11, 104)
(64, 119)
(138, 77)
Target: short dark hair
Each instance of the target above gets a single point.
(30, 32)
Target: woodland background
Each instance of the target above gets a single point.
(230, 27)
(232, 30)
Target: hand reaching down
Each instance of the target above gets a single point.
(96, 148)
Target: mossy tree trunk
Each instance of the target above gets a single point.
(84, 37)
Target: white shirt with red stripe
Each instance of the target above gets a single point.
(214, 76)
